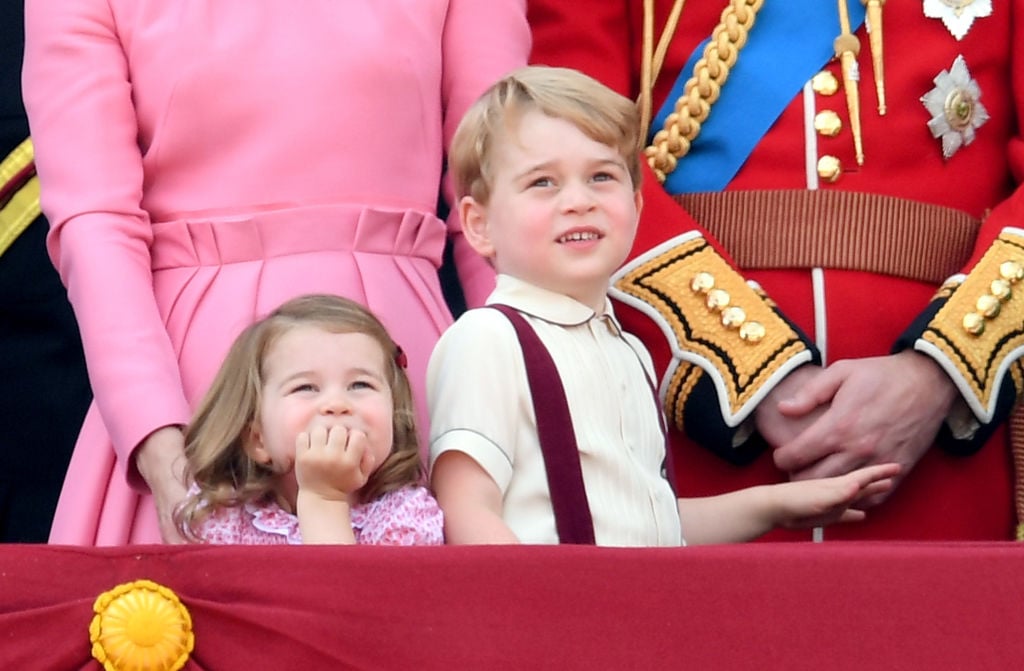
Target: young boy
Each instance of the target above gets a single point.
(546, 170)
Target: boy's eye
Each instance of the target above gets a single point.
(541, 181)
(603, 177)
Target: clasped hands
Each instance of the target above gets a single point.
(858, 412)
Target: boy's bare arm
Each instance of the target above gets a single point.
(748, 513)
(471, 501)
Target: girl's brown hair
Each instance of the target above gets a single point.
(215, 440)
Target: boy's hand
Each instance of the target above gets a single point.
(813, 503)
(332, 463)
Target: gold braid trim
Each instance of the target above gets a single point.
(19, 194)
(1017, 446)
(661, 284)
(974, 344)
(701, 91)
(684, 379)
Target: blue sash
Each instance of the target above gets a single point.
(789, 43)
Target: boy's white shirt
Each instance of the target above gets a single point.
(480, 405)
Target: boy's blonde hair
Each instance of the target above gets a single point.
(599, 112)
(215, 440)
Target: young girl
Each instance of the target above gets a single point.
(308, 435)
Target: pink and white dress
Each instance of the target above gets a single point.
(407, 516)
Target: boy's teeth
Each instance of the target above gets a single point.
(572, 237)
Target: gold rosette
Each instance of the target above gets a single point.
(141, 626)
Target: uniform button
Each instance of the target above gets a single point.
(1011, 271)
(752, 331)
(974, 323)
(1001, 289)
(717, 299)
(828, 123)
(733, 317)
(825, 83)
(988, 306)
(829, 168)
(702, 282)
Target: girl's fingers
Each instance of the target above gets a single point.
(356, 438)
(318, 436)
(337, 439)
(302, 443)
(366, 465)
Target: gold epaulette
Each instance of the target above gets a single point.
(714, 321)
(19, 194)
(978, 334)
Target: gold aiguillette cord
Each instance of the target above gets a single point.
(874, 11)
(847, 48)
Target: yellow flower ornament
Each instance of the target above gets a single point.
(141, 626)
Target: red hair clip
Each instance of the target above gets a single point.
(400, 358)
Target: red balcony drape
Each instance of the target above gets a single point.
(757, 606)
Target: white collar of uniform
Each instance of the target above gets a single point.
(547, 305)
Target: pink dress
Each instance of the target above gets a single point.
(203, 161)
(408, 516)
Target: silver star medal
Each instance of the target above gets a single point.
(955, 106)
(957, 15)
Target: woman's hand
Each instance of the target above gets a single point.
(161, 463)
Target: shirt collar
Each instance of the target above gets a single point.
(547, 305)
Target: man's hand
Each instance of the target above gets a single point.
(779, 429)
(332, 463)
(882, 409)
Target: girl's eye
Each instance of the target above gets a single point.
(363, 384)
(299, 388)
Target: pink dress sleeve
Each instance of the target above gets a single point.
(78, 94)
(408, 516)
(482, 42)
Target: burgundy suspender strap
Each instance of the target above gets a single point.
(556, 436)
(668, 466)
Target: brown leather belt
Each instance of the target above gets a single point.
(837, 229)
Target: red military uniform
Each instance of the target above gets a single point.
(864, 286)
